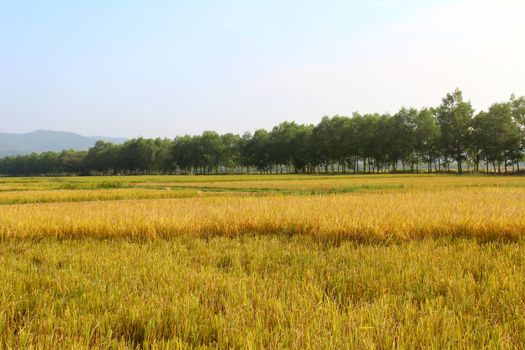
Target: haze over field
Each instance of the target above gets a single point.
(168, 68)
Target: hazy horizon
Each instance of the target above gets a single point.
(162, 69)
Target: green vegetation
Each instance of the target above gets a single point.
(447, 138)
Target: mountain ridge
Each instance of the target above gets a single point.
(42, 140)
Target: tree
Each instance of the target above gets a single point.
(374, 143)
(506, 138)
(302, 148)
(518, 114)
(73, 162)
(402, 136)
(328, 137)
(438, 136)
(102, 156)
(256, 151)
(231, 150)
(184, 153)
(289, 145)
(496, 136)
(210, 147)
(353, 139)
(454, 117)
(138, 155)
(518, 110)
(163, 158)
(426, 137)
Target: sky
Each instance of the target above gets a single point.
(161, 68)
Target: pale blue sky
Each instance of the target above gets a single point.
(165, 68)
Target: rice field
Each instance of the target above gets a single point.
(292, 261)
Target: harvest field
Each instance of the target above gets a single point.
(275, 261)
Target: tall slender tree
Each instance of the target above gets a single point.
(454, 116)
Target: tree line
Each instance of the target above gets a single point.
(450, 137)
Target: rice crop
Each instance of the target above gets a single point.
(346, 262)
(487, 214)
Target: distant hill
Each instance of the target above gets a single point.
(47, 140)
